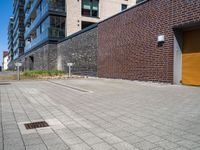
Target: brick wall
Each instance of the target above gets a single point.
(186, 13)
(80, 49)
(127, 43)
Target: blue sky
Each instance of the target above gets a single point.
(5, 13)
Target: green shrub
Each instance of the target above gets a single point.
(39, 73)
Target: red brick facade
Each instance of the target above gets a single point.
(127, 43)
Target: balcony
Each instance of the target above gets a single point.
(27, 2)
(49, 34)
(40, 17)
(28, 14)
(35, 42)
(34, 24)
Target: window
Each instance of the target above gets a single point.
(139, 1)
(90, 8)
(85, 24)
(123, 7)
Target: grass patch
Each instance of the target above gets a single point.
(43, 73)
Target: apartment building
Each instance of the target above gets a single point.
(52, 20)
(10, 38)
(18, 28)
(44, 22)
(83, 13)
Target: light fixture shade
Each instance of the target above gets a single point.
(161, 38)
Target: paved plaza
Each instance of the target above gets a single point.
(99, 114)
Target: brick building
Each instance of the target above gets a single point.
(128, 46)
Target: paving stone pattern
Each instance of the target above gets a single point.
(102, 115)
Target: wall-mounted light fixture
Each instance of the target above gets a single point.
(161, 38)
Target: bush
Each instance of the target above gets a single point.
(39, 73)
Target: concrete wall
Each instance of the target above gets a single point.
(81, 50)
(44, 58)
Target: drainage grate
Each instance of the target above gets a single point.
(35, 125)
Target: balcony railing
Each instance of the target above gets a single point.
(49, 34)
(35, 23)
(28, 14)
(26, 4)
(36, 41)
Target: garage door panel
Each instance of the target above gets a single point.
(191, 58)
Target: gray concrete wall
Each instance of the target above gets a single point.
(44, 58)
(178, 57)
(80, 49)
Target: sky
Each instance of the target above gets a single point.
(5, 13)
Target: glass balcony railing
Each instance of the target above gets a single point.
(50, 33)
(35, 23)
(38, 40)
(28, 14)
(26, 4)
(56, 33)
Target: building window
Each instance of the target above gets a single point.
(124, 6)
(85, 24)
(139, 1)
(90, 8)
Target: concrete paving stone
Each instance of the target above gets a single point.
(33, 141)
(122, 134)
(81, 146)
(188, 144)
(133, 139)
(30, 136)
(172, 138)
(80, 130)
(68, 135)
(58, 147)
(192, 137)
(93, 140)
(180, 148)
(113, 140)
(36, 147)
(86, 135)
(14, 147)
(101, 146)
(153, 138)
(104, 134)
(72, 141)
(46, 130)
(52, 141)
(145, 145)
(159, 148)
(167, 144)
(124, 146)
(49, 136)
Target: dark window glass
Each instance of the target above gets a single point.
(138, 1)
(90, 8)
(85, 24)
(123, 7)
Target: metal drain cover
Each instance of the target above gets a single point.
(35, 125)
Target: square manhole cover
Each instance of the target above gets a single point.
(35, 125)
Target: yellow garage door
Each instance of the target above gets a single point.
(191, 58)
